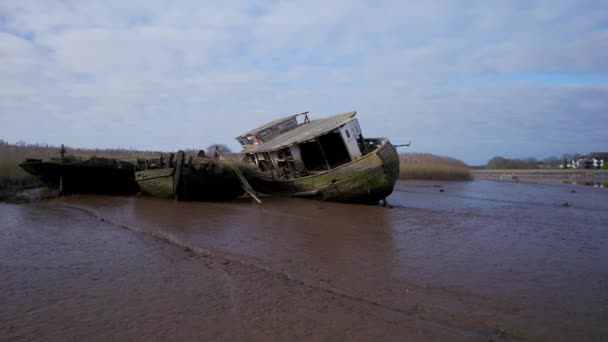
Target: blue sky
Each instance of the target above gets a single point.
(467, 79)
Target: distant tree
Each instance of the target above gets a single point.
(210, 150)
(552, 162)
(571, 156)
(505, 163)
(497, 163)
(528, 163)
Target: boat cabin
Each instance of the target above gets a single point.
(294, 146)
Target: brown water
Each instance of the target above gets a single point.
(479, 260)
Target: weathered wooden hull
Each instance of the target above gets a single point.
(192, 185)
(156, 183)
(95, 175)
(202, 186)
(368, 179)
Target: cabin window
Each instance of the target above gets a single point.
(347, 133)
(290, 123)
(326, 149)
(244, 142)
(265, 133)
(277, 128)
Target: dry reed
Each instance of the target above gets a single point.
(429, 166)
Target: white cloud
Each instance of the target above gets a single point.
(172, 75)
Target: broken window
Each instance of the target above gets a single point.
(328, 149)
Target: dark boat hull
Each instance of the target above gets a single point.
(197, 186)
(368, 180)
(189, 183)
(95, 175)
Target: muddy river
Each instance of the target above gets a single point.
(480, 260)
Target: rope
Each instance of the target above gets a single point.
(244, 183)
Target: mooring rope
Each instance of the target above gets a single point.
(244, 183)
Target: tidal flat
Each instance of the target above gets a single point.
(479, 260)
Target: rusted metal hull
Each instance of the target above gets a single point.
(95, 175)
(368, 179)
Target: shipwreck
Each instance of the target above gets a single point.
(189, 178)
(72, 175)
(327, 159)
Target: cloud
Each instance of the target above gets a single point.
(470, 80)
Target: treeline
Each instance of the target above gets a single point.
(552, 162)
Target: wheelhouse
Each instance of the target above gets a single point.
(287, 149)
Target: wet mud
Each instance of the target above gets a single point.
(474, 260)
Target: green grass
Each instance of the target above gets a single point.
(429, 166)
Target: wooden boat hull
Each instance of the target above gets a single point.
(191, 185)
(197, 186)
(156, 182)
(95, 175)
(368, 179)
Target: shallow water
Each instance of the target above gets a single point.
(481, 257)
(596, 178)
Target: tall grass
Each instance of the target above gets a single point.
(429, 166)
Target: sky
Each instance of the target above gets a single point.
(466, 79)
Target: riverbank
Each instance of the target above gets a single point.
(475, 260)
(69, 276)
(598, 178)
(534, 171)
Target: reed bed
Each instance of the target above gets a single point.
(430, 166)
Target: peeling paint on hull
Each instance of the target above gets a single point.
(368, 179)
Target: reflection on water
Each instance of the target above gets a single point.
(479, 254)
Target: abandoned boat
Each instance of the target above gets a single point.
(189, 178)
(327, 158)
(74, 175)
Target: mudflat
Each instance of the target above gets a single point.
(473, 260)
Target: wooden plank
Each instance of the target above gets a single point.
(179, 161)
